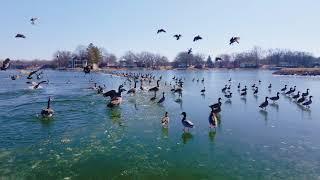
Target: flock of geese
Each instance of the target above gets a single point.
(176, 85)
(232, 40)
(132, 79)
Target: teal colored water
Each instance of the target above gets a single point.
(87, 140)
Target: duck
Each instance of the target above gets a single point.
(296, 96)
(47, 112)
(186, 123)
(165, 120)
(307, 104)
(275, 98)
(133, 90)
(216, 105)
(264, 104)
(162, 99)
(284, 89)
(306, 93)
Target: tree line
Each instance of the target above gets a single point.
(92, 54)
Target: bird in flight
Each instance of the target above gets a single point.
(20, 36)
(161, 31)
(190, 51)
(197, 38)
(33, 20)
(177, 36)
(218, 59)
(5, 64)
(234, 39)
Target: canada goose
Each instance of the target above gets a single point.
(87, 69)
(155, 88)
(162, 99)
(177, 36)
(264, 104)
(306, 93)
(203, 90)
(133, 90)
(302, 99)
(307, 104)
(296, 96)
(218, 59)
(244, 93)
(255, 92)
(33, 20)
(239, 86)
(233, 40)
(165, 120)
(47, 112)
(270, 86)
(244, 89)
(197, 38)
(116, 101)
(284, 89)
(253, 86)
(275, 98)
(216, 105)
(38, 84)
(113, 93)
(224, 89)
(186, 123)
(32, 73)
(161, 31)
(5, 64)
(229, 96)
(154, 97)
(20, 36)
(141, 83)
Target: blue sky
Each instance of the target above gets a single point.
(123, 25)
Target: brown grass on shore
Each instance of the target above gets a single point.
(299, 71)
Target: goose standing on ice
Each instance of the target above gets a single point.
(307, 104)
(186, 123)
(264, 104)
(162, 99)
(275, 98)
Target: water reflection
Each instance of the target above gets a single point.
(115, 116)
(212, 134)
(275, 105)
(186, 136)
(165, 132)
(264, 113)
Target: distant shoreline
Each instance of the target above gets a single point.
(299, 71)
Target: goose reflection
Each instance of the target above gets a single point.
(186, 136)
(264, 113)
(275, 105)
(115, 116)
(165, 132)
(212, 135)
(244, 99)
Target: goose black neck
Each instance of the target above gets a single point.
(48, 106)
